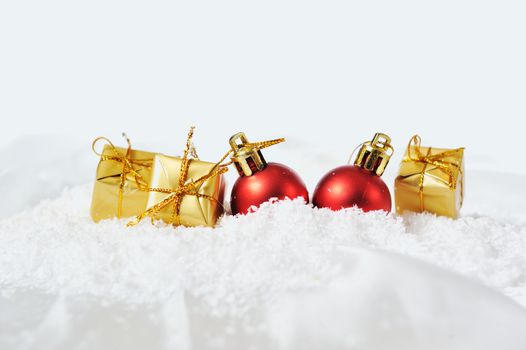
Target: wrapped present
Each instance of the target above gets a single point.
(430, 179)
(200, 205)
(122, 175)
(185, 191)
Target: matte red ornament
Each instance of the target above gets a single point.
(274, 181)
(349, 186)
(260, 181)
(359, 184)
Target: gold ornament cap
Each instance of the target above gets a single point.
(375, 154)
(247, 158)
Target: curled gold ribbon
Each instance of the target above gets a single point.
(184, 187)
(437, 160)
(128, 166)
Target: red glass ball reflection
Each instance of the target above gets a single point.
(274, 181)
(349, 186)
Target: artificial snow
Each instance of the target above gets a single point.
(237, 281)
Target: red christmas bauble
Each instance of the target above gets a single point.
(349, 186)
(274, 181)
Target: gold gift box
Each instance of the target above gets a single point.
(196, 210)
(105, 202)
(430, 179)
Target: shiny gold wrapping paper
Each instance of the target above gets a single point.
(105, 199)
(194, 210)
(424, 186)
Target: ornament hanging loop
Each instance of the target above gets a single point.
(349, 161)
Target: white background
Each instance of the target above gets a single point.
(326, 74)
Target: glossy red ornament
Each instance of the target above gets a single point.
(260, 181)
(359, 184)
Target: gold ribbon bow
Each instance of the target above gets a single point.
(128, 166)
(190, 188)
(438, 160)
